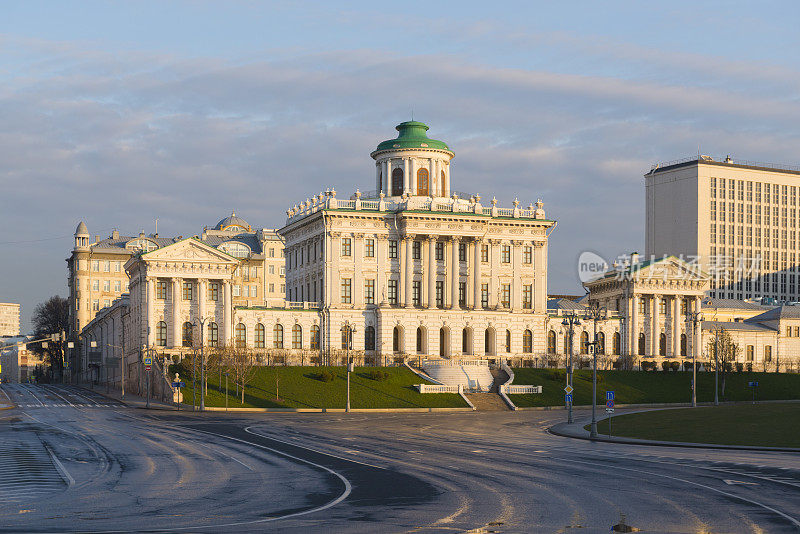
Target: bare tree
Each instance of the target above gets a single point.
(51, 317)
(724, 352)
(240, 364)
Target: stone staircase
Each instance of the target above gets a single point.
(491, 401)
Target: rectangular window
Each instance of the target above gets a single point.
(439, 294)
(369, 248)
(462, 252)
(187, 291)
(485, 253)
(96, 305)
(117, 286)
(505, 254)
(272, 253)
(272, 288)
(271, 269)
(642, 306)
(439, 251)
(117, 266)
(393, 292)
(161, 290)
(416, 287)
(416, 250)
(346, 287)
(462, 294)
(767, 353)
(106, 303)
(106, 285)
(393, 248)
(237, 290)
(484, 295)
(347, 246)
(505, 295)
(527, 255)
(369, 291)
(96, 266)
(527, 296)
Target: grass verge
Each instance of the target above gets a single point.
(760, 425)
(641, 387)
(305, 387)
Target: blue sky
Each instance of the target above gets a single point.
(120, 112)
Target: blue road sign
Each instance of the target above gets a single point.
(568, 397)
(752, 384)
(609, 395)
(148, 361)
(610, 403)
(179, 384)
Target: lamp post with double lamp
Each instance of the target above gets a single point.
(347, 332)
(202, 321)
(571, 320)
(595, 313)
(694, 318)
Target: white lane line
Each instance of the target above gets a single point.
(247, 429)
(222, 453)
(33, 395)
(61, 469)
(789, 518)
(6, 394)
(54, 391)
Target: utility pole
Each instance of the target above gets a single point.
(571, 320)
(595, 313)
(716, 367)
(202, 321)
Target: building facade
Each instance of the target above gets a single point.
(96, 274)
(738, 220)
(9, 319)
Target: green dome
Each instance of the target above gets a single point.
(412, 135)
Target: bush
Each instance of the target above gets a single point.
(556, 374)
(377, 375)
(323, 376)
(676, 366)
(648, 366)
(687, 366)
(666, 366)
(739, 367)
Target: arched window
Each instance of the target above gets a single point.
(347, 337)
(442, 191)
(527, 341)
(487, 342)
(241, 335)
(423, 187)
(277, 335)
(396, 339)
(465, 341)
(161, 334)
(662, 344)
(187, 334)
(508, 340)
(566, 342)
(315, 337)
(261, 335)
(551, 341)
(297, 336)
(397, 182)
(235, 249)
(442, 341)
(420, 340)
(641, 345)
(584, 342)
(615, 343)
(601, 343)
(213, 334)
(683, 345)
(369, 338)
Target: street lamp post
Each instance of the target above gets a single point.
(595, 313)
(202, 321)
(348, 340)
(694, 318)
(571, 320)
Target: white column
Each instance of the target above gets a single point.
(476, 273)
(455, 270)
(378, 176)
(358, 271)
(387, 173)
(516, 284)
(634, 326)
(176, 312)
(227, 311)
(408, 294)
(470, 293)
(201, 298)
(676, 327)
(431, 274)
(151, 295)
(494, 260)
(412, 175)
(446, 169)
(655, 330)
(380, 283)
(335, 287)
(432, 178)
(406, 182)
(540, 277)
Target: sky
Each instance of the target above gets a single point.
(121, 113)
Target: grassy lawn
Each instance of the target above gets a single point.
(766, 425)
(297, 387)
(640, 387)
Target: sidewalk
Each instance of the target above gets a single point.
(576, 430)
(132, 400)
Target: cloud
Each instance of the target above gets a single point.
(120, 139)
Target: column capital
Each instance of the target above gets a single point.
(432, 238)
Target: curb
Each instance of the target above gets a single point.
(327, 410)
(659, 405)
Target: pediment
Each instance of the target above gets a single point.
(671, 268)
(189, 250)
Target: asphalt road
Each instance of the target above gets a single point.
(72, 460)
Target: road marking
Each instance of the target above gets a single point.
(222, 453)
(60, 467)
(733, 482)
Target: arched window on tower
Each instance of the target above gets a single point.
(423, 183)
(397, 182)
(443, 188)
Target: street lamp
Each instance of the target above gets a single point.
(595, 313)
(348, 331)
(571, 320)
(694, 318)
(202, 321)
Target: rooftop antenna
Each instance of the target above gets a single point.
(156, 225)
(412, 114)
